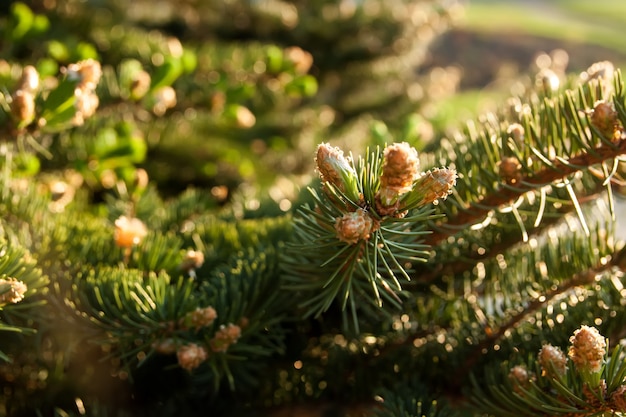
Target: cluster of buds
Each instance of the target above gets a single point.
(87, 73)
(190, 356)
(224, 337)
(129, 232)
(586, 353)
(23, 99)
(199, 318)
(401, 187)
(11, 291)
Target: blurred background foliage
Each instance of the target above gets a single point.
(257, 84)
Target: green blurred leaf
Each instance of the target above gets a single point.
(58, 51)
(23, 18)
(41, 24)
(85, 50)
(167, 73)
(189, 61)
(274, 59)
(27, 165)
(58, 107)
(305, 86)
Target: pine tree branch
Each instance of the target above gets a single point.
(618, 260)
(467, 262)
(557, 170)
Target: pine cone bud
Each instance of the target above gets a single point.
(434, 184)
(604, 118)
(29, 80)
(23, 107)
(587, 349)
(519, 377)
(354, 226)
(200, 317)
(191, 356)
(333, 167)
(129, 231)
(400, 168)
(509, 170)
(224, 337)
(553, 361)
(11, 291)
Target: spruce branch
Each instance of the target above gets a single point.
(559, 140)
(583, 278)
(366, 228)
(588, 383)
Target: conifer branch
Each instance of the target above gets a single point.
(617, 260)
(557, 170)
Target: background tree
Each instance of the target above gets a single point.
(242, 207)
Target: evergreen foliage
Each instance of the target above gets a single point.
(166, 249)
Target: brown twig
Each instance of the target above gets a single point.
(558, 170)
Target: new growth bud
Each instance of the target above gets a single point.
(191, 356)
(354, 226)
(129, 231)
(23, 107)
(224, 337)
(334, 168)
(435, 184)
(400, 170)
(520, 378)
(11, 291)
(588, 349)
(604, 118)
(553, 361)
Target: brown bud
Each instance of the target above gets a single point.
(23, 107)
(11, 291)
(29, 80)
(604, 118)
(191, 356)
(129, 231)
(509, 170)
(354, 226)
